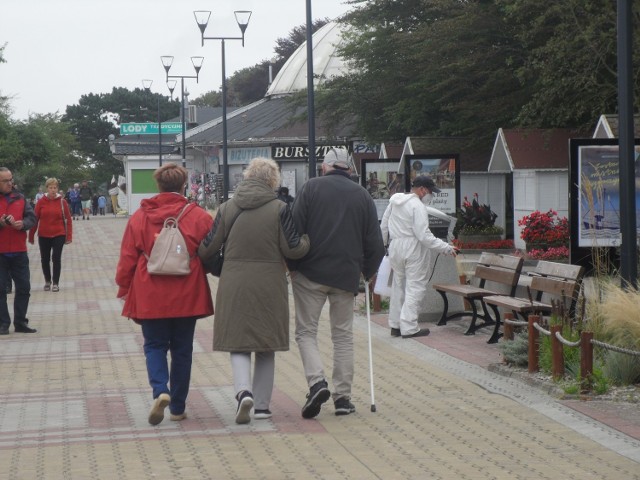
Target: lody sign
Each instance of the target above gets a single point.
(150, 128)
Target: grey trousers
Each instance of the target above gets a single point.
(263, 376)
(309, 298)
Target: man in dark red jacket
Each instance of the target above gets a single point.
(16, 217)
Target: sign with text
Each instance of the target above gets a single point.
(150, 128)
(296, 152)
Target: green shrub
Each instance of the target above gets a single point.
(516, 352)
(621, 368)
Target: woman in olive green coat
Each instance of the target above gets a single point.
(252, 301)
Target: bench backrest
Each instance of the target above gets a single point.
(504, 269)
(558, 280)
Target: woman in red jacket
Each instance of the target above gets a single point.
(54, 228)
(166, 307)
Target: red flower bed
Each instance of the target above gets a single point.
(493, 244)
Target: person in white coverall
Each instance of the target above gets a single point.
(405, 228)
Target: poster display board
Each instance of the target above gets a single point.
(594, 211)
(381, 179)
(595, 192)
(444, 169)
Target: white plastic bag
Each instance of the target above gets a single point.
(384, 278)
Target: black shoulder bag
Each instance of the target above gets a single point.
(215, 265)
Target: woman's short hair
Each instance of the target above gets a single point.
(51, 181)
(170, 177)
(263, 169)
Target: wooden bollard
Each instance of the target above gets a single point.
(533, 344)
(557, 354)
(586, 356)
(376, 301)
(507, 328)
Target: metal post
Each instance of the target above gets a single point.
(225, 163)
(310, 97)
(159, 136)
(627, 174)
(184, 129)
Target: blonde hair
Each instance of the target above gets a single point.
(170, 177)
(51, 181)
(263, 169)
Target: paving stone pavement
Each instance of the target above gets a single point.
(74, 402)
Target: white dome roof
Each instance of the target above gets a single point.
(326, 63)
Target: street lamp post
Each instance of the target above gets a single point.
(147, 86)
(202, 19)
(167, 61)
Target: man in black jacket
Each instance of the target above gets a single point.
(341, 220)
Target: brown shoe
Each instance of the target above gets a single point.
(178, 417)
(420, 333)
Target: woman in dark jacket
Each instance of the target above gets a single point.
(252, 302)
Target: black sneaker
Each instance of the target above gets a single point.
(262, 414)
(318, 394)
(4, 329)
(245, 404)
(395, 332)
(420, 333)
(344, 406)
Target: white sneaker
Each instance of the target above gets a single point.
(245, 404)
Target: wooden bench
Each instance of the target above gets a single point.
(501, 269)
(550, 281)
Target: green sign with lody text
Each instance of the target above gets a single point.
(149, 128)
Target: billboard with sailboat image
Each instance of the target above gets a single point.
(596, 182)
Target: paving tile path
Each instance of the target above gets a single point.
(74, 401)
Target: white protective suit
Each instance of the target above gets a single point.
(406, 224)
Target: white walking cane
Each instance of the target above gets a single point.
(366, 292)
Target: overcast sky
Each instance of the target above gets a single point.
(58, 50)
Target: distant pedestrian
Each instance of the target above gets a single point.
(76, 204)
(113, 193)
(94, 204)
(39, 195)
(166, 307)
(102, 204)
(261, 235)
(283, 194)
(341, 220)
(16, 217)
(85, 197)
(55, 230)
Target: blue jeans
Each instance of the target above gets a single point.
(173, 335)
(18, 266)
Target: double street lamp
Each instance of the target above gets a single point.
(167, 61)
(202, 19)
(146, 83)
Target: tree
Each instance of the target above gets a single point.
(97, 116)
(434, 67)
(571, 61)
(448, 67)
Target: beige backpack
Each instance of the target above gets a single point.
(169, 254)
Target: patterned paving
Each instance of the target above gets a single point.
(75, 399)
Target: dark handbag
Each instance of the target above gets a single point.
(214, 266)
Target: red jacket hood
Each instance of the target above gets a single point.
(163, 205)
